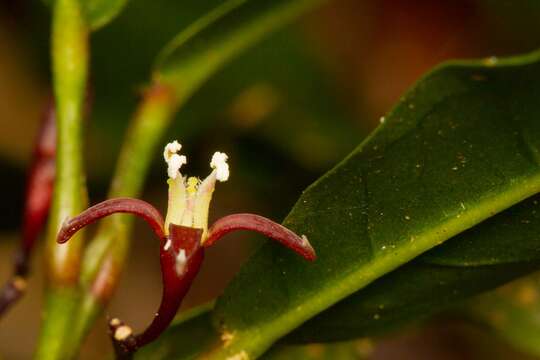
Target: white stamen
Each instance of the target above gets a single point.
(181, 260)
(167, 245)
(173, 160)
(219, 163)
(175, 163)
(171, 149)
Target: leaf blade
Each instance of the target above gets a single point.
(400, 219)
(432, 283)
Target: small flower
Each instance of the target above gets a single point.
(183, 236)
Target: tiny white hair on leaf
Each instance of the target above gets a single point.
(173, 160)
(219, 163)
(181, 260)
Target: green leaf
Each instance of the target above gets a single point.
(460, 147)
(193, 331)
(492, 253)
(205, 46)
(512, 313)
(353, 350)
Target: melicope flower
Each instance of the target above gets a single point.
(183, 236)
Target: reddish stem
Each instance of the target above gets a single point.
(262, 225)
(136, 207)
(177, 279)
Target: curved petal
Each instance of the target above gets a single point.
(262, 225)
(136, 207)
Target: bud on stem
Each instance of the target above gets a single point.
(39, 188)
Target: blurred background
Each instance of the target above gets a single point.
(285, 111)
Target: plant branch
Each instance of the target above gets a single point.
(69, 53)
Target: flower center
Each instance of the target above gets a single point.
(189, 197)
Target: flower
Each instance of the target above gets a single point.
(183, 236)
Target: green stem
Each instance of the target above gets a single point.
(70, 63)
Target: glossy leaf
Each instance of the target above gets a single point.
(512, 313)
(488, 255)
(460, 147)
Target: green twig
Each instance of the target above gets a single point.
(70, 63)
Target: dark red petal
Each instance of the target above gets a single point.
(261, 225)
(136, 207)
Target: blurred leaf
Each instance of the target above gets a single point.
(512, 313)
(197, 52)
(277, 93)
(460, 147)
(353, 350)
(307, 113)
